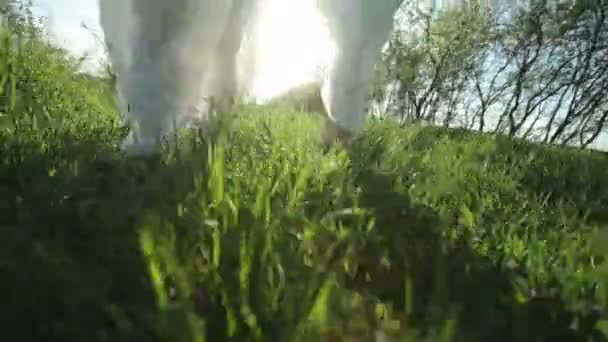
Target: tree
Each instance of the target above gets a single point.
(537, 73)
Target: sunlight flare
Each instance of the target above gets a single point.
(294, 44)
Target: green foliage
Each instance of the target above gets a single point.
(306, 98)
(275, 240)
(40, 86)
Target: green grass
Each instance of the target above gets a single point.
(252, 232)
(487, 232)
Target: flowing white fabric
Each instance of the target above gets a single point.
(170, 57)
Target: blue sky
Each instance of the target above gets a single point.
(65, 18)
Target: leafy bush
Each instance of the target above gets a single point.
(40, 85)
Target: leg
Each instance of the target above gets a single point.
(164, 55)
(114, 20)
(147, 76)
(225, 83)
(359, 28)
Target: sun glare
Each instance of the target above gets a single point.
(293, 44)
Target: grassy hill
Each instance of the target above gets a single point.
(254, 233)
